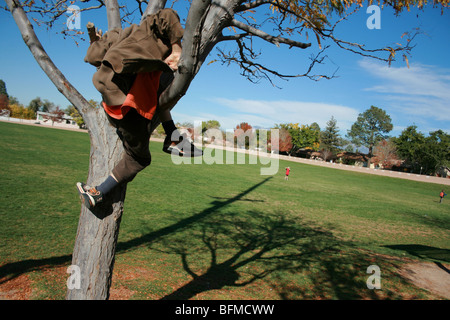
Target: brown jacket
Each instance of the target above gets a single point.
(120, 54)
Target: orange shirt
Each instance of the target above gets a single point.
(142, 97)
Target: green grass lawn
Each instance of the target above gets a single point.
(216, 231)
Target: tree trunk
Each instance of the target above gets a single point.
(98, 229)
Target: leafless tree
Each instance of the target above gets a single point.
(208, 23)
(385, 153)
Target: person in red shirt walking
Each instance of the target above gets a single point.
(288, 170)
(442, 195)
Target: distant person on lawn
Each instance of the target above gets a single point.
(288, 170)
(441, 196)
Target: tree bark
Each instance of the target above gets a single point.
(153, 7)
(98, 230)
(113, 14)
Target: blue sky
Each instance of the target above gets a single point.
(417, 95)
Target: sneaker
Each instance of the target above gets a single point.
(181, 147)
(89, 196)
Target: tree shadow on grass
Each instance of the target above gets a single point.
(238, 250)
(424, 252)
(227, 251)
(186, 223)
(437, 255)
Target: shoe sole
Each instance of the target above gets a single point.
(86, 199)
(80, 188)
(178, 152)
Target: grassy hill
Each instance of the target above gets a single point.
(222, 231)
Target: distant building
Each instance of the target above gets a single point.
(45, 117)
(443, 172)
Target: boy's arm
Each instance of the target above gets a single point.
(99, 46)
(173, 59)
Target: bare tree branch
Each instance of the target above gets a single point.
(113, 14)
(44, 61)
(253, 71)
(360, 49)
(188, 65)
(252, 5)
(269, 38)
(153, 7)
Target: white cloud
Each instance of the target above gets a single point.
(420, 93)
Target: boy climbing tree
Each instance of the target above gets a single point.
(134, 66)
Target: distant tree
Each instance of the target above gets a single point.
(206, 125)
(410, 145)
(244, 126)
(4, 102)
(285, 141)
(424, 154)
(57, 115)
(303, 136)
(13, 100)
(309, 137)
(48, 106)
(294, 132)
(185, 124)
(20, 112)
(316, 129)
(244, 134)
(210, 124)
(3, 88)
(73, 112)
(330, 137)
(4, 99)
(315, 126)
(36, 104)
(327, 154)
(349, 148)
(16, 111)
(371, 126)
(437, 150)
(385, 151)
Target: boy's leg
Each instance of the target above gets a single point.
(167, 122)
(133, 130)
(175, 143)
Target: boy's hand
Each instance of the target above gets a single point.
(173, 59)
